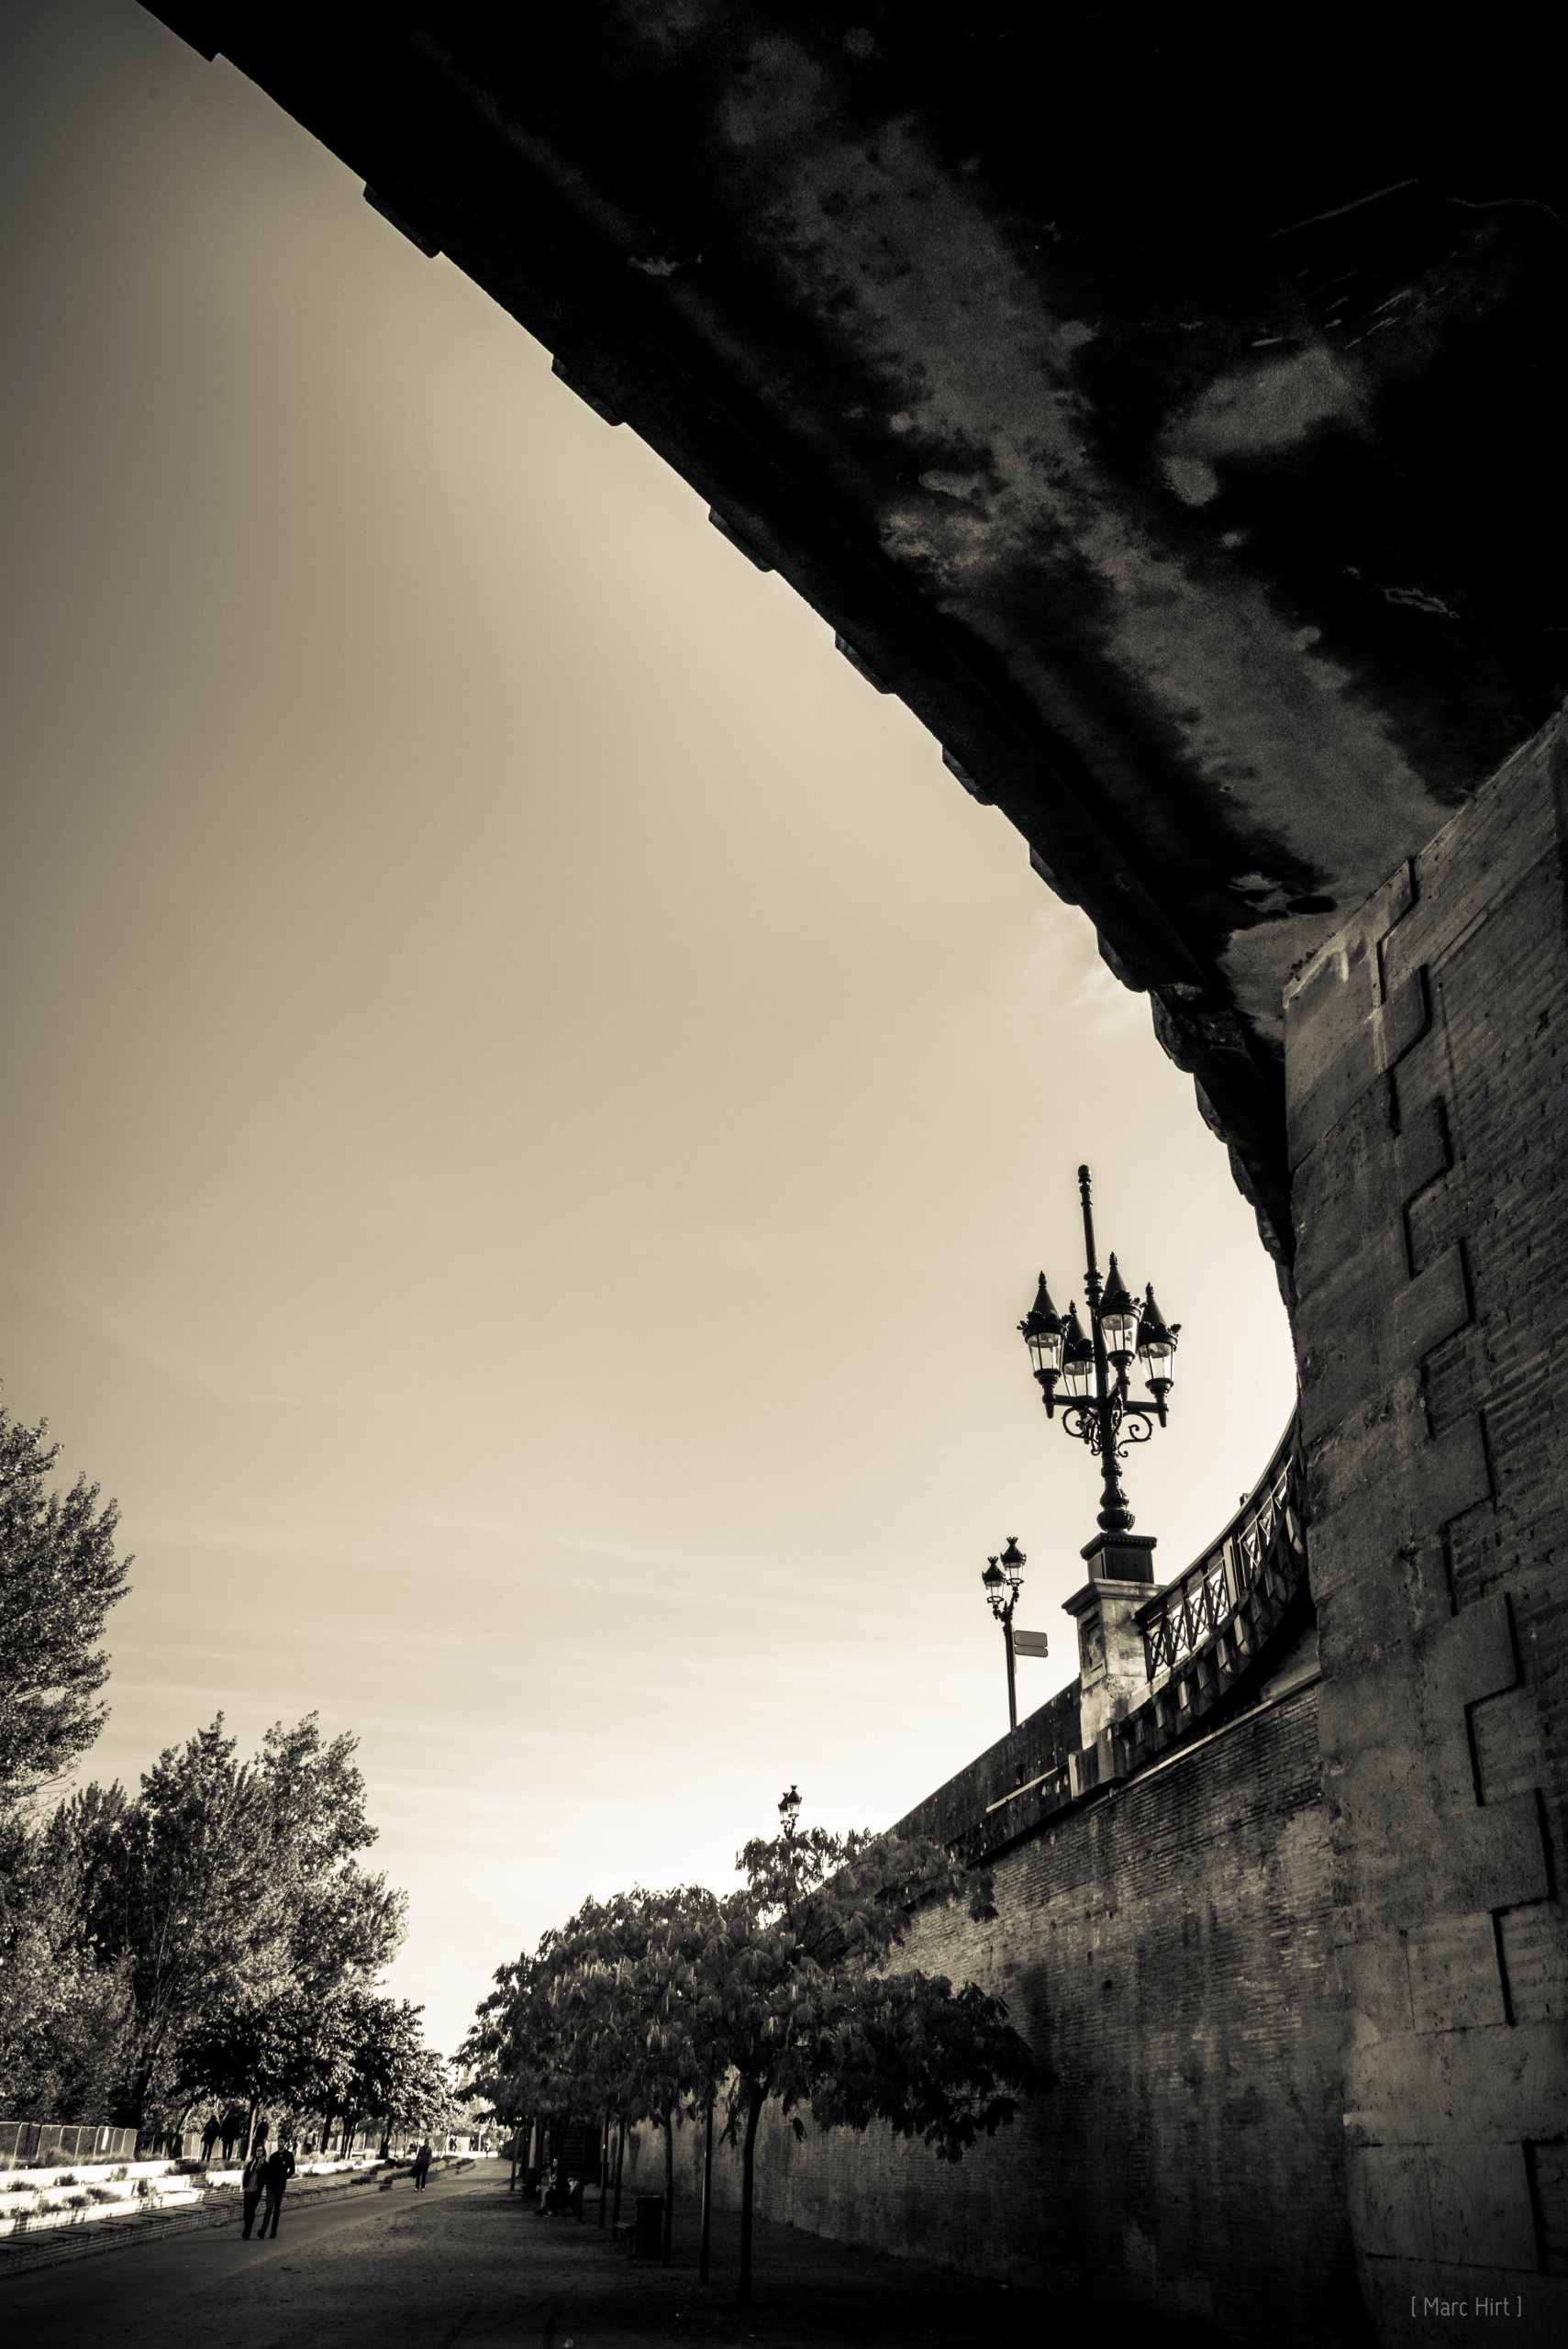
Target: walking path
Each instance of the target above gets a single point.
(465, 2266)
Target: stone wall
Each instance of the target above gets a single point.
(1165, 1946)
(1428, 1068)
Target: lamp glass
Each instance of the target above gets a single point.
(1120, 1328)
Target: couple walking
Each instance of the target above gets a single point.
(268, 2173)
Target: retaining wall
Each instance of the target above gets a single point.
(1166, 1946)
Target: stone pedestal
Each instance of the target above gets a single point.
(1110, 1645)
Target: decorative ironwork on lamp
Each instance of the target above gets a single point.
(1093, 1368)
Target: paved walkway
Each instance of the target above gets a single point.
(465, 2264)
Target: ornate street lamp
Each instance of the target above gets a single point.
(1093, 1369)
(1002, 1578)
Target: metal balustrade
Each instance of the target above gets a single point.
(1261, 1552)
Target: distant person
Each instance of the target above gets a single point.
(210, 2136)
(252, 2183)
(280, 2169)
(422, 2166)
(233, 2133)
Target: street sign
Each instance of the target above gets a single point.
(1030, 1644)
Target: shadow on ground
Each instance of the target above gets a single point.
(466, 2266)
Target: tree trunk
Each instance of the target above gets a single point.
(251, 2122)
(748, 2171)
(621, 2152)
(669, 2184)
(707, 2193)
(603, 2162)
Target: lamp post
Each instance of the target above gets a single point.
(1094, 1367)
(1002, 1578)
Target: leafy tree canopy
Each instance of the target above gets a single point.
(787, 1989)
(223, 1885)
(58, 1578)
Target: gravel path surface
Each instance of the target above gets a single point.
(465, 2264)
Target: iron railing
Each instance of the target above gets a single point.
(1262, 1550)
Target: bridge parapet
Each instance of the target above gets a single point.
(1232, 1594)
(1210, 1640)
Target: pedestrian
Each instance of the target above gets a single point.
(252, 2182)
(210, 2136)
(280, 2169)
(421, 2166)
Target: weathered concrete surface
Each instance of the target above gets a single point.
(1187, 460)
(1428, 1059)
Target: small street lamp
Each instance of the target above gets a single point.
(1002, 1578)
(1093, 1369)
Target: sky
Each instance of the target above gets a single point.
(535, 1103)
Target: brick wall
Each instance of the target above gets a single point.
(1428, 1103)
(1165, 1946)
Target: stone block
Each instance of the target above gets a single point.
(1332, 1058)
(1341, 1197)
(1402, 1018)
(1484, 2087)
(1432, 1306)
(1451, 1475)
(1472, 1656)
(1475, 863)
(1361, 1462)
(1420, 1081)
(1479, 2199)
(1390, 2206)
(1455, 1984)
(1510, 1755)
(1374, 1982)
(1372, 1715)
(1421, 1151)
(1535, 1966)
(1493, 1857)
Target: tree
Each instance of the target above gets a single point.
(266, 2051)
(343, 1924)
(58, 1578)
(223, 1885)
(599, 2020)
(655, 2003)
(61, 2011)
(636, 1991)
(379, 2064)
(346, 2055)
(176, 1892)
(792, 1994)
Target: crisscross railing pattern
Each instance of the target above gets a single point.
(1263, 1547)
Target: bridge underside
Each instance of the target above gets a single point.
(1175, 430)
(1178, 431)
